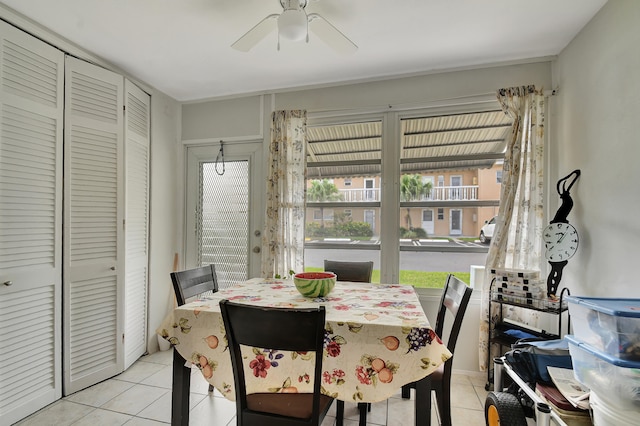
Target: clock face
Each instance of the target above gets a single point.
(561, 241)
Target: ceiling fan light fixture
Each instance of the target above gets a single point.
(292, 24)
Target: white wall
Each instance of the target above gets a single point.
(164, 219)
(595, 128)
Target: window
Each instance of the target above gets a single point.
(444, 159)
(498, 176)
(343, 176)
(317, 215)
(462, 151)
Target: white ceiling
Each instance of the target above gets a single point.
(182, 47)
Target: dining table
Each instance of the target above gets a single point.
(377, 339)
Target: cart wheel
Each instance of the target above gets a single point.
(502, 408)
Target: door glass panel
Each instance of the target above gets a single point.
(223, 220)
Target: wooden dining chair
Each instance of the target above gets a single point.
(194, 282)
(359, 272)
(455, 299)
(287, 329)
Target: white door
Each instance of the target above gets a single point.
(370, 218)
(456, 181)
(225, 209)
(93, 246)
(31, 123)
(369, 194)
(136, 148)
(427, 221)
(455, 224)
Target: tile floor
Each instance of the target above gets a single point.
(141, 396)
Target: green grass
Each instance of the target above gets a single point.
(419, 279)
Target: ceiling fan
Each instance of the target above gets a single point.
(294, 24)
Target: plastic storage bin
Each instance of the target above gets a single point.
(615, 381)
(609, 325)
(605, 415)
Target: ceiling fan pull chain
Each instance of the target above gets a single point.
(218, 157)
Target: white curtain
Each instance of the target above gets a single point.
(517, 240)
(283, 237)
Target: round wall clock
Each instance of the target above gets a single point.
(560, 238)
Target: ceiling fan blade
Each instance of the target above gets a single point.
(256, 34)
(330, 34)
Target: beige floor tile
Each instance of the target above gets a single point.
(460, 379)
(100, 417)
(98, 395)
(482, 394)
(139, 371)
(60, 413)
(478, 379)
(161, 379)
(137, 421)
(213, 410)
(135, 399)
(160, 409)
(160, 357)
(464, 396)
(465, 417)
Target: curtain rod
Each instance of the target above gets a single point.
(443, 102)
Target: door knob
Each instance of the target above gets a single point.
(256, 249)
(113, 268)
(8, 283)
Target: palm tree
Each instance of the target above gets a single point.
(412, 188)
(323, 190)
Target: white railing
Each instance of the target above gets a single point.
(438, 193)
(451, 193)
(360, 194)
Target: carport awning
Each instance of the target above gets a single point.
(447, 142)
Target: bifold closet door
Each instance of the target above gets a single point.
(93, 225)
(136, 131)
(31, 123)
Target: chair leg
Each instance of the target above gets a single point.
(406, 391)
(210, 388)
(362, 408)
(339, 412)
(443, 398)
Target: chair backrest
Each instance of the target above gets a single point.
(287, 329)
(192, 282)
(455, 299)
(359, 272)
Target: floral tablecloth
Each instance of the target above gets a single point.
(377, 339)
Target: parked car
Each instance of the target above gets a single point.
(486, 232)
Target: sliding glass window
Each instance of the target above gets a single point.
(442, 173)
(343, 194)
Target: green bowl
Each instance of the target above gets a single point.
(314, 284)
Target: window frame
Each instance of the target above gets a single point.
(390, 163)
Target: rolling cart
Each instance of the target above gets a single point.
(505, 408)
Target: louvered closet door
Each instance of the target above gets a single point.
(31, 108)
(136, 130)
(93, 243)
